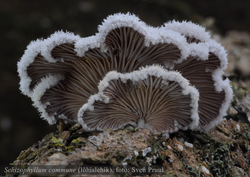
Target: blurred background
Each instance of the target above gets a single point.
(22, 21)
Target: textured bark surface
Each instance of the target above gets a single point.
(224, 151)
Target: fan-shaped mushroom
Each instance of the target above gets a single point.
(62, 72)
(204, 68)
(152, 98)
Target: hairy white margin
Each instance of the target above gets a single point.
(46, 83)
(57, 39)
(138, 75)
(219, 83)
(188, 29)
(152, 35)
(202, 50)
(44, 47)
(33, 49)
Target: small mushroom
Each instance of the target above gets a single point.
(152, 98)
(215, 93)
(204, 68)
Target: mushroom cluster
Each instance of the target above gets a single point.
(164, 79)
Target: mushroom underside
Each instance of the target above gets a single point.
(157, 103)
(125, 53)
(76, 73)
(200, 74)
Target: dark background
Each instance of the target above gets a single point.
(22, 21)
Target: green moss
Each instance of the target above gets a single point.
(220, 166)
(194, 172)
(78, 142)
(132, 129)
(57, 142)
(70, 148)
(199, 169)
(239, 92)
(158, 150)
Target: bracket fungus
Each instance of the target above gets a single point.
(152, 98)
(164, 79)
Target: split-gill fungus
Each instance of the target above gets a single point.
(152, 98)
(164, 79)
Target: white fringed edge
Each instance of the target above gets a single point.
(57, 39)
(219, 83)
(225, 85)
(33, 49)
(44, 47)
(201, 50)
(188, 29)
(152, 35)
(46, 83)
(142, 74)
